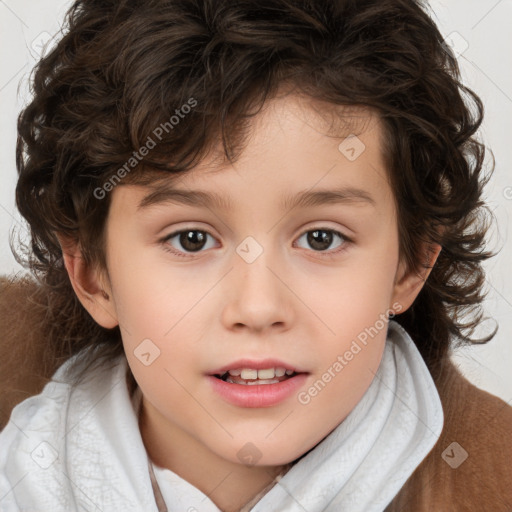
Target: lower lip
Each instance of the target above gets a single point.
(258, 395)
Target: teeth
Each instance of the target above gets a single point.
(248, 374)
(266, 381)
(269, 373)
(254, 382)
(265, 374)
(280, 372)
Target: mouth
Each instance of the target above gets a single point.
(257, 382)
(253, 376)
(251, 384)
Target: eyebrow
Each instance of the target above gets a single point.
(304, 199)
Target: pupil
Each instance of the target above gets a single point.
(320, 239)
(189, 239)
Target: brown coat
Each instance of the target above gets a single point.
(480, 423)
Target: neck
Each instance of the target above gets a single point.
(228, 484)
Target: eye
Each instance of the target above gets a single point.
(190, 240)
(320, 239)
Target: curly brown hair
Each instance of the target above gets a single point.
(122, 67)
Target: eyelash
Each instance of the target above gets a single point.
(344, 241)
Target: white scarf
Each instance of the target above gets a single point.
(80, 449)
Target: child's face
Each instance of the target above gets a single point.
(259, 289)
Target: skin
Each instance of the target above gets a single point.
(294, 302)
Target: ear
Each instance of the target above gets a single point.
(91, 286)
(409, 283)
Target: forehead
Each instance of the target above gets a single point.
(293, 140)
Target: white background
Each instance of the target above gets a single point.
(478, 29)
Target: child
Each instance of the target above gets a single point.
(292, 354)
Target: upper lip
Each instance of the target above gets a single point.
(255, 365)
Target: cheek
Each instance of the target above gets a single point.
(154, 317)
(343, 379)
(151, 302)
(352, 300)
(354, 308)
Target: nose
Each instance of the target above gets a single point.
(257, 295)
